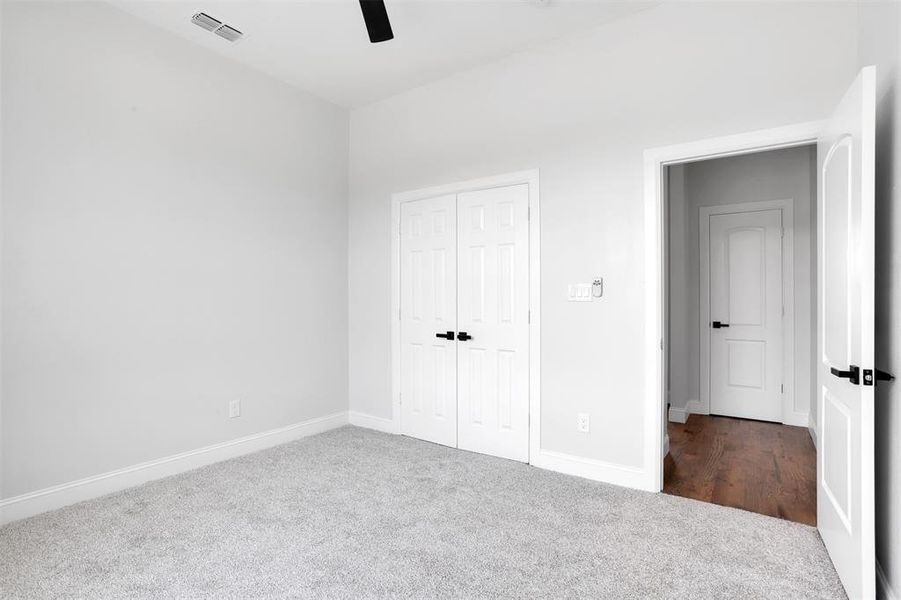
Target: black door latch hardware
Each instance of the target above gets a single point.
(463, 336)
(852, 374)
(718, 325)
(448, 336)
(871, 376)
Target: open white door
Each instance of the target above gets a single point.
(845, 228)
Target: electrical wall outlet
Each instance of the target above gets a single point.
(584, 423)
(234, 409)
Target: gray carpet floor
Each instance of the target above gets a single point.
(352, 513)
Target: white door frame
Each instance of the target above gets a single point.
(655, 159)
(788, 301)
(529, 178)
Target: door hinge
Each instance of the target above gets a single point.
(529, 317)
(529, 213)
(782, 388)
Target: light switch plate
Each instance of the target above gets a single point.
(579, 292)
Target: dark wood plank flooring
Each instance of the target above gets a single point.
(765, 468)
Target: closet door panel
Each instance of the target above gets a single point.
(428, 309)
(493, 321)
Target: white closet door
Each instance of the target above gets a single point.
(746, 315)
(492, 317)
(428, 308)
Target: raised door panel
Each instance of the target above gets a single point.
(836, 322)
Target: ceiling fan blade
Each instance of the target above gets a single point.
(377, 22)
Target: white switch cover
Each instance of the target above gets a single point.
(234, 409)
(584, 424)
(579, 292)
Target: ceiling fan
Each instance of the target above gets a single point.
(377, 23)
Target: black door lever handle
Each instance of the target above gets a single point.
(448, 336)
(718, 325)
(883, 375)
(852, 374)
(463, 336)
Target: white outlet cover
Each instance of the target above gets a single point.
(579, 292)
(584, 423)
(234, 409)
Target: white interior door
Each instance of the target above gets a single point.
(428, 305)
(746, 315)
(845, 504)
(493, 320)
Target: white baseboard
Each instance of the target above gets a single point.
(370, 422)
(596, 470)
(694, 407)
(812, 428)
(884, 590)
(678, 415)
(797, 419)
(546, 459)
(33, 503)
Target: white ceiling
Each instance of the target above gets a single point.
(322, 46)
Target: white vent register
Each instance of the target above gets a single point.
(216, 26)
(206, 21)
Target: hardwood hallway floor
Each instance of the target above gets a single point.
(765, 468)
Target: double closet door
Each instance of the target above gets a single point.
(464, 320)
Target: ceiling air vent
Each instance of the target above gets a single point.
(216, 26)
(206, 21)
(229, 33)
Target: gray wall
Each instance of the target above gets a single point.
(880, 45)
(776, 175)
(174, 236)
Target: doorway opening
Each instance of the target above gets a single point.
(739, 287)
(846, 373)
